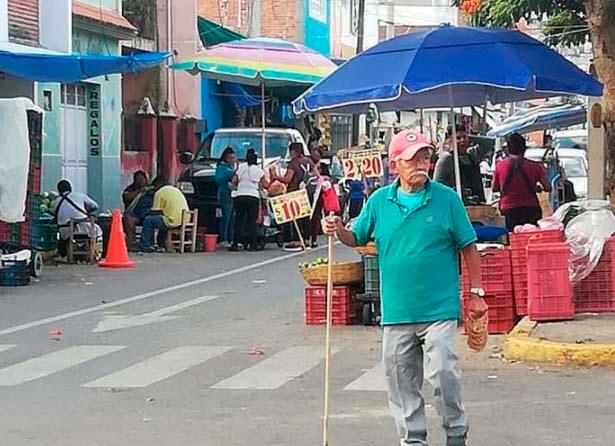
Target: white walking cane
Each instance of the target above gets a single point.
(325, 432)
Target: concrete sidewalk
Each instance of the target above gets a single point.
(588, 340)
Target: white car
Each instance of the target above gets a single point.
(573, 161)
(570, 139)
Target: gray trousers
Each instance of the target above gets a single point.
(404, 347)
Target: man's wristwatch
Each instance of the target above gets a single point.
(480, 292)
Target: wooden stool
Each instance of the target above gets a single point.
(82, 244)
(185, 234)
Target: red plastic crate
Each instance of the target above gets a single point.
(496, 271)
(596, 293)
(502, 315)
(5, 231)
(345, 308)
(518, 254)
(521, 239)
(24, 233)
(34, 179)
(549, 289)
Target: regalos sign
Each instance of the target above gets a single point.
(94, 121)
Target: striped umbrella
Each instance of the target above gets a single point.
(273, 62)
(259, 62)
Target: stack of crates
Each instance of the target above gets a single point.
(596, 293)
(549, 290)
(518, 246)
(345, 307)
(496, 273)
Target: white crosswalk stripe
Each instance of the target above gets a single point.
(54, 362)
(277, 370)
(371, 380)
(5, 347)
(159, 368)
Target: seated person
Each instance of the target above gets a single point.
(73, 206)
(138, 199)
(166, 213)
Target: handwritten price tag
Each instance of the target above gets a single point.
(362, 164)
(291, 206)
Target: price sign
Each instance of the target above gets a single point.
(291, 206)
(362, 164)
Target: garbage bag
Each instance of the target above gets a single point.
(587, 234)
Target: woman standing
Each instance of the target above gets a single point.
(249, 179)
(225, 170)
(518, 179)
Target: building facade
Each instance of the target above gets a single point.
(303, 21)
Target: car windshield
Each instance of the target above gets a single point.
(276, 144)
(574, 167)
(570, 142)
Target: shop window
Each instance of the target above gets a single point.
(73, 95)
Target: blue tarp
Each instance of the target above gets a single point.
(240, 95)
(66, 68)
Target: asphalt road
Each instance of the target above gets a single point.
(170, 354)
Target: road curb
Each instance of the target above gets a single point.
(522, 347)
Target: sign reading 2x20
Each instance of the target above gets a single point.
(359, 164)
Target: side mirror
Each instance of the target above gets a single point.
(186, 158)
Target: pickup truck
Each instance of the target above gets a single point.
(197, 181)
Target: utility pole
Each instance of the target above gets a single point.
(360, 38)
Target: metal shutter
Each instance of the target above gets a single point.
(24, 21)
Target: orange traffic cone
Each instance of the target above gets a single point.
(117, 253)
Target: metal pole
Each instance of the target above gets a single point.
(263, 139)
(456, 155)
(484, 126)
(360, 39)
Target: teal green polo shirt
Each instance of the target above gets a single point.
(418, 251)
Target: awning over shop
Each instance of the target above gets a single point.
(67, 68)
(212, 33)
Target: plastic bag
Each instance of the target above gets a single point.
(587, 234)
(569, 211)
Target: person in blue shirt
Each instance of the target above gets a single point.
(356, 197)
(419, 228)
(225, 170)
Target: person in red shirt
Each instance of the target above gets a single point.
(518, 179)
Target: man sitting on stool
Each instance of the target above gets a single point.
(167, 212)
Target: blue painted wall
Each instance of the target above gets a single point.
(318, 32)
(211, 105)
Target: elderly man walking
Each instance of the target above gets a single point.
(419, 227)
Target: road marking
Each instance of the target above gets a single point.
(5, 347)
(276, 371)
(50, 363)
(149, 294)
(372, 380)
(159, 367)
(116, 322)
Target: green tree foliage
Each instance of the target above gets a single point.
(565, 21)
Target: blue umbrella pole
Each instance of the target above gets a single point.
(456, 154)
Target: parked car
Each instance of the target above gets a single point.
(575, 165)
(197, 181)
(570, 139)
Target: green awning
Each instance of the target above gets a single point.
(212, 33)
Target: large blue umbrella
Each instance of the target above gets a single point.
(447, 67)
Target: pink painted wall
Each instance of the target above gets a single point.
(185, 91)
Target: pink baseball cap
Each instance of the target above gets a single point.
(406, 144)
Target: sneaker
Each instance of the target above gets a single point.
(314, 245)
(292, 247)
(147, 250)
(234, 248)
